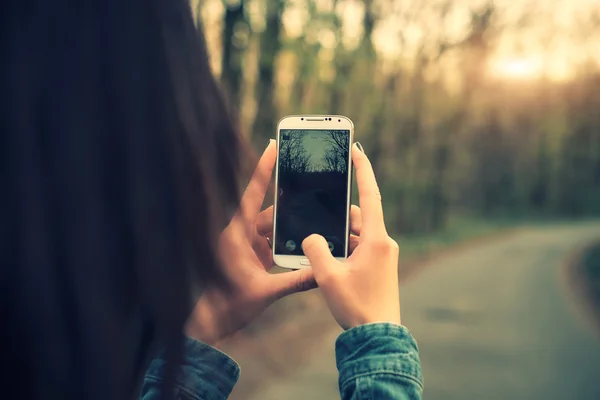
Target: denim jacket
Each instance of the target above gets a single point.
(375, 361)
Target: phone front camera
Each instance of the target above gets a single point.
(339, 120)
(301, 119)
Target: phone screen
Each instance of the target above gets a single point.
(313, 190)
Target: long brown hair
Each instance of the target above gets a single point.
(119, 164)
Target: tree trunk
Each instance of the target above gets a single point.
(233, 52)
(270, 44)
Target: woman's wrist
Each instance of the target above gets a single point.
(202, 328)
(197, 333)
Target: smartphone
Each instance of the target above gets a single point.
(312, 186)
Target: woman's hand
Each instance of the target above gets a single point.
(247, 288)
(364, 288)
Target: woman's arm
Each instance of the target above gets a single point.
(377, 358)
(246, 288)
(378, 361)
(205, 374)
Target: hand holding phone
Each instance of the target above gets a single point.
(245, 287)
(364, 289)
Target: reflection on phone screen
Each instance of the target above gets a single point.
(313, 189)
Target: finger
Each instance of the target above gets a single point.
(288, 283)
(317, 251)
(355, 220)
(263, 251)
(264, 222)
(369, 195)
(353, 244)
(257, 188)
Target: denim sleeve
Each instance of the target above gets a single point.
(378, 361)
(205, 374)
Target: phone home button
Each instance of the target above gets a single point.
(305, 261)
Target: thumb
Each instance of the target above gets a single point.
(317, 251)
(288, 283)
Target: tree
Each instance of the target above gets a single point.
(443, 134)
(270, 45)
(234, 43)
(336, 155)
(293, 157)
(334, 161)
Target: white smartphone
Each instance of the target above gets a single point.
(312, 186)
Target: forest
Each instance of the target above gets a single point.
(465, 107)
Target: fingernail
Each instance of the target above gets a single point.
(360, 147)
(269, 143)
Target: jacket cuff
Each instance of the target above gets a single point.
(378, 348)
(205, 372)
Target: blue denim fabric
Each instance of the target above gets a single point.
(375, 361)
(205, 374)
(378, 361)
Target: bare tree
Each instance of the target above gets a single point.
(336, 156)
(293, 157)
(338, 139)
(335, 161)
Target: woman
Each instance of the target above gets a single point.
(124, 262)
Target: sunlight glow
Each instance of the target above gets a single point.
(517, 68)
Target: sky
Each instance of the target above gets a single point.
(316, 147)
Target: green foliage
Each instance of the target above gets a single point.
(458, 229)
(592, 262)
(481, 146)
(591, 270)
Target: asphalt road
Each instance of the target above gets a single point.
(496, 321)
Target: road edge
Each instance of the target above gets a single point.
(577, 286)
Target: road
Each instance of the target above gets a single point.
(493, 322)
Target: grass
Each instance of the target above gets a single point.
(463, 229)
(458, 230)
(591, 269)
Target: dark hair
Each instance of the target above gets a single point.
(119, 164)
